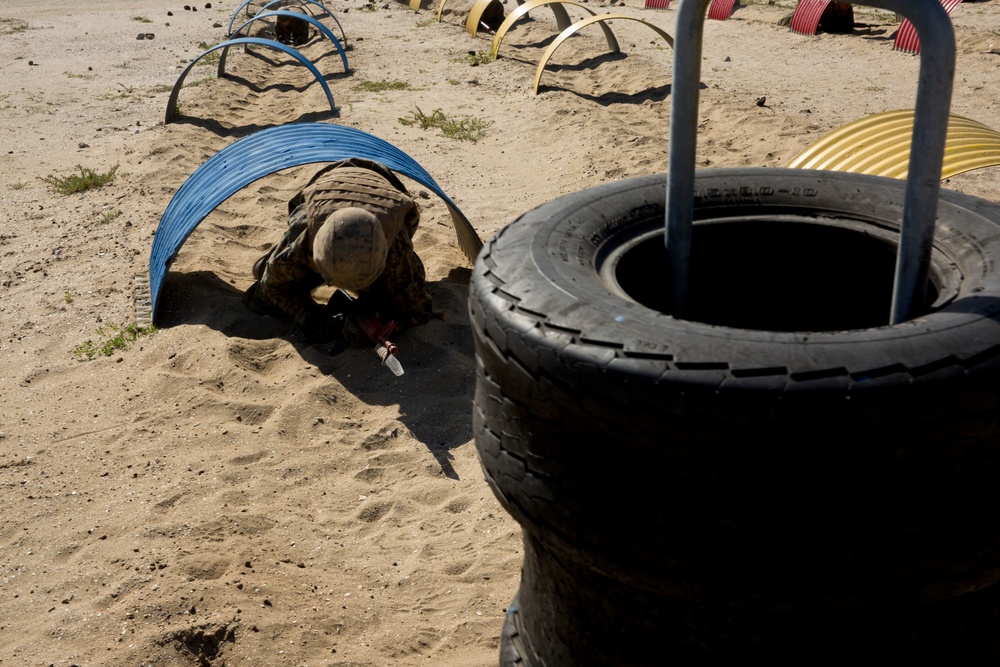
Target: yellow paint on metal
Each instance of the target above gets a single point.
(562, 18)
(880, 145)
(612, 41)
(479, 7)
(415, 5)
(475, 16)
(441, 9)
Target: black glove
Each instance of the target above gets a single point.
(321, 327)
(340, 302)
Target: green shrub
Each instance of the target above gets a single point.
(465, 128)
(87, 179)
(111, 337)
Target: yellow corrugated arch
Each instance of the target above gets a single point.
(880, 145)
(562, 18)
(612, 42)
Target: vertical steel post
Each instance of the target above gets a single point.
(930, 127)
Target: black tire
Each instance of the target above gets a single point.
(786, 456)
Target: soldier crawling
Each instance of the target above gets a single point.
(291, 30)
(351, 227)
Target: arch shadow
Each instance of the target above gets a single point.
(240, 131)
(652, 94)
(202, 297)
(562, 18)
(612, 41)
(269, 43)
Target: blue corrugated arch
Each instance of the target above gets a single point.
(303, 3)
(264, 153)
(305, 17)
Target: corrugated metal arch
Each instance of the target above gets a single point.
(476, 14)
(269, 43)
(521, 10)
(612, 41)
(246, 3)
(720, 10)
(906, 37)
(305, 17)
(807, 14)
(264, 153)
(880, 145)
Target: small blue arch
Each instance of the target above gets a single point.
(306, 3)
(269, 43)
(305, 17)
(263, 153)
(303, 3)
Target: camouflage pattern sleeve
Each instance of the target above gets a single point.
(288, 281)
(401, 292)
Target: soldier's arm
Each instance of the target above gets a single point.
(288, 282)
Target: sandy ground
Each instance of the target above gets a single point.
(220, 493)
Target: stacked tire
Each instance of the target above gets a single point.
(781, 474)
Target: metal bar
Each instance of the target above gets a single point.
(934, 87)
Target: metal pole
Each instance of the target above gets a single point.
(930, 127)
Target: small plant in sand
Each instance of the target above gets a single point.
(480, 57)
(68, 297)
(12, 26)
(212, 58)
(383, 85)
(111, 337)
(198, 82)
(87, 179)
(465, 128)
(125, 64)
(49, 109)
(108, 216)
(19, 185)
(142, 19)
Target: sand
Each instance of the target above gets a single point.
(219, 492)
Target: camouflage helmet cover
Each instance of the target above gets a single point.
(350, 248)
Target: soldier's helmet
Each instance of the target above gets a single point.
(350, 248)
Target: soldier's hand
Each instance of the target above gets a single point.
(321, 327)
(340, 302)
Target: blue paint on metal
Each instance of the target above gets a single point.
(306, 3)
(269, 43)
(264, 153)
(303, 3)
(305, 17)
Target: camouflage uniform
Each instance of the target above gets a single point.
(286, 276)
